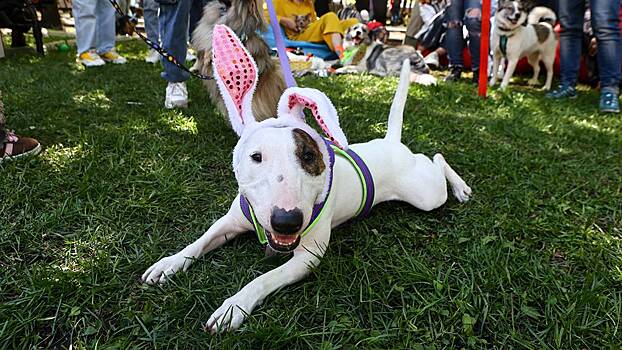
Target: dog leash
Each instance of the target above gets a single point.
(280, 46)
(170, 58)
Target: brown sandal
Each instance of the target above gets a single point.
(15, 147)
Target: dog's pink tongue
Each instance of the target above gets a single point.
(234, 67)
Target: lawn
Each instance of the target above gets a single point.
(533, 261)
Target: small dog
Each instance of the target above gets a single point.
(517, 34)
(302, 22)
(245, 17)
(295, 185)
(376, 58)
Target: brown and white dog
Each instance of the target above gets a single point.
(245, 18)
(517, 35)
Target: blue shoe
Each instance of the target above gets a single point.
(563, 91)
(609, 102)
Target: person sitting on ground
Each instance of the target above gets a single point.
(605, 24)
(300, 21)
(428, 10)
(13, 146)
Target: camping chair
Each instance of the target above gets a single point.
(20, 16)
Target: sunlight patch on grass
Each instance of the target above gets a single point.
(179, 122)
(96, 98)
(590, 124)
(59, 156)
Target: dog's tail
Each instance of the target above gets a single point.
(541, 14)
(396, 116)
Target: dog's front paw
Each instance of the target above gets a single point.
(492, 82)
(423, 79)
(165, 268)
(462, 192)
(532, 82)
(229, 316)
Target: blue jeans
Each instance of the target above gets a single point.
(605, 25)
(174, 16)
(152, 26)
(95, 27)
(468, 12)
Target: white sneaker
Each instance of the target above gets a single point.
(176, 95)
(90, 59)
(152, 57)
(431, 60)
(113, 57)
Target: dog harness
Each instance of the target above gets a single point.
(503, 44)
(367, 181)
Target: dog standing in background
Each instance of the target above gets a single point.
(245, 18)
(513, 40)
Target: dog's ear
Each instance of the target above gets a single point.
(235, 72)
(293, 102)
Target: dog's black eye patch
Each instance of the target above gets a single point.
(308, 153)
(256, 157)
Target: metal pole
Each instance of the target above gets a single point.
(484, 49)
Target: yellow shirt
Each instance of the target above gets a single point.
(289, 9)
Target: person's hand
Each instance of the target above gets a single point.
(289, 23)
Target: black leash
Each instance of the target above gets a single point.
(170, 58)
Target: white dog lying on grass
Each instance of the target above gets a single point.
(295, 185)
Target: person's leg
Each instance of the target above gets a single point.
(605, 23)
(414, 25)
(453, 38)
(105, 14)
(328, 29)
(571, 20)
(151, 8)
(174, 18)
(173, 33)
(85, 24)
(473, 22)
(395, 12)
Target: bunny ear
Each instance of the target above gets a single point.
(293, 102)
(236, 74)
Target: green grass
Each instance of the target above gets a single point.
(533, 261)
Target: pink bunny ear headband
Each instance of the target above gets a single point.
(237, 75)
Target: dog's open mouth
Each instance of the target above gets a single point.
(357, 40)
(283, 243)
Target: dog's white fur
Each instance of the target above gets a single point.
(523, 41)
(279, 180)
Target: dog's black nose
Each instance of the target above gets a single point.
(286, 221)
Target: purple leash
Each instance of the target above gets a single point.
(280, 46)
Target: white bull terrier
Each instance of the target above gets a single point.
(295, 185)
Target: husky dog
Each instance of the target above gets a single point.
(518, 34)
(245, 18)
(374, 57)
